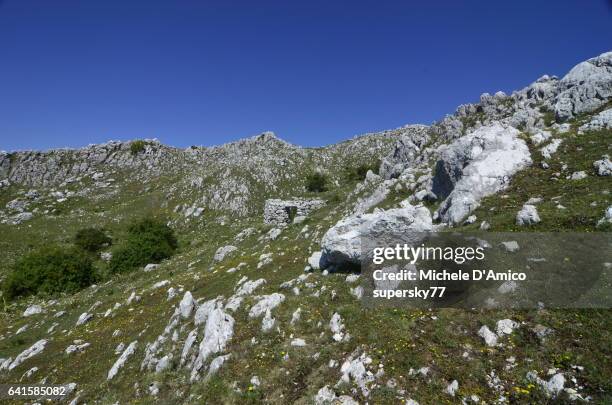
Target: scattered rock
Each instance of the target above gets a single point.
(84, 318)
(600, 121)
(505, 327)
(151, 267)
(32, 351)
(337, 327)
(603, 167)
(298, 342)
(266, 303)
(579, 175)
(121, 360)
(223, 251)
(186, 305)
(511, 246)
(489, 337)
(314, 260)
(32, 310)
(452, 388)
(528, 215)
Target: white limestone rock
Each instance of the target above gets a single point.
(204, 310)
(150, 267)
(489, 337)
(84, 318)
(266, 303)
(30, 352)
(129, 351)
(297, 342)
(186, 305)
(528, 215)
(337, 327)
(475, 166)
(342, 243)
(511, 246)
(267, 322)
(579, 175)
(32, 310)
(505, 327)
(585, 88)
(603, 167)
(295, 317)
(315, 259)
(540, 136)
(354, 368)
(216, 363)
(77, 348)
(223, 251)
(452, 388)
(548, 150)
(607, 219)
(218, 330)
(600, 121)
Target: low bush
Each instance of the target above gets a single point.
(359, 173)
(91, 239)
(148, 240)
(137, 146)
(48, 271)
(316, 182)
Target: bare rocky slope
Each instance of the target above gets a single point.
(257, 307)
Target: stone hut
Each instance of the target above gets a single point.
(282, 212)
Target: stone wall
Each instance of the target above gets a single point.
(281, 212)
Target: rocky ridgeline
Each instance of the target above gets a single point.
(57, 166)
(236, 177)
(475, 152)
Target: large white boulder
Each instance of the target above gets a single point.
(342, 243)
(475, 166)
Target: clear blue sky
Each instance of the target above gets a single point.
(315, 72)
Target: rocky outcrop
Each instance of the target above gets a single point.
(603, 120)
(66, 165)
(585, 88)
(342, 243)
(475, 166)
(282, 212)
(406, 152)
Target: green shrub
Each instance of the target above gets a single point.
(50, 270)
(316, 182)
(137, 146)
(359, 173)
(91, 239)
(148, 241)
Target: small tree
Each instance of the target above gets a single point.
(148, 240)
(137, 146)
(316, 182)
(50, 270)
(91, 239)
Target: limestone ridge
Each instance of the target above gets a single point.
(474, 152)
